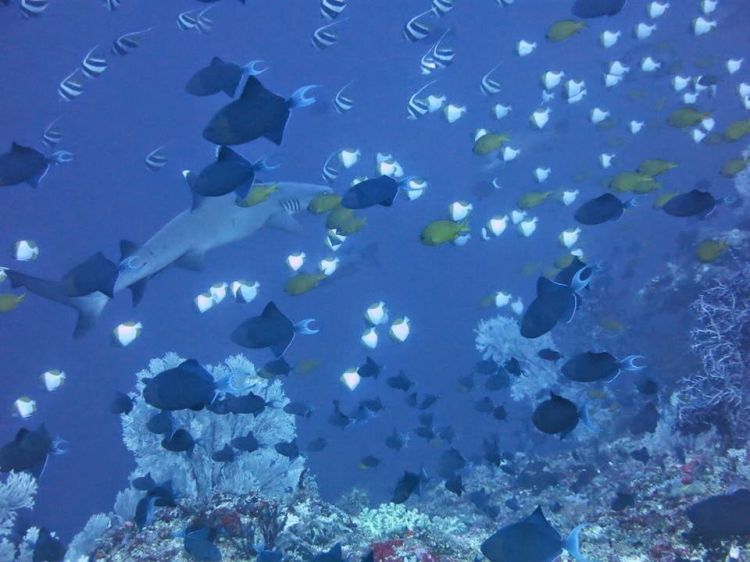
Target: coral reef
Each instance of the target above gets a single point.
(719, 394)
(196, 477)
(499, 339)
(16, 492)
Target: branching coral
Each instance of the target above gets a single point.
(719, 394)
(17, 492)
(499, 339)
(196, 477)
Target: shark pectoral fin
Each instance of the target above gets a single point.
(284, 221)
(137, 291)
(192, 260)
(89, 308)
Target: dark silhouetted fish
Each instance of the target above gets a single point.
(486, 367)
(179, 442)
(481, 500)
(299, 409)
(549, 354)
(396, 440)
(604, 208)
(409, 483)
(288, 449)
(400, 382)
(532, 539)
(121, 404)
(369, 369)
(97, 273)
(48, 548)
(25, 164)
(247, 443)
(143, 483)
(337, 417)
(270, 330)
(641, 455)
(455, 484)
(693, 203)
(29, 451)
(187, 386)
(275, 368)
(317, 445)
(558, 415)
(723, 516)
(368, 193)
(592, 366)
(623, 500)
(647, 385)
(199, 544)
(230, 172)
(256, 113)
(221, 76)
(645, 420)
(333, 555)
(161, 423)
(450, 462)
(248, 403)
(597, 8)
(225, 454)
(369, 461)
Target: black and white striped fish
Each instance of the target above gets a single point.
(156, 159)
(418, 107)
(112, 5)
(128, 42)
(93, 66)
(489, 86)
(441, 7)
(427, 63)
(330, 172)
(331, 9)
(33, 8)
(69, 89)
(324, 37)
(52, 135)
(414, 30)
(341, 102)
(187, 20)
(443, 56)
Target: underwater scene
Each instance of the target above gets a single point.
(375, 280)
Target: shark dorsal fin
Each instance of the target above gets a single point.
(127, 248)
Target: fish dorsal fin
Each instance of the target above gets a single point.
(128, 248)
(271, 311)
(216, 61)
(252, 88)
(15, 147)
(224, 154)
(545, 286)
(537, 517)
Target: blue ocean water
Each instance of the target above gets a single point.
(107, 194)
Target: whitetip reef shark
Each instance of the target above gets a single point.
(210, 223)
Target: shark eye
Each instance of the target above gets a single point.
(132, 263)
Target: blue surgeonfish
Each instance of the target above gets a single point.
(532, 539)
(272, 329)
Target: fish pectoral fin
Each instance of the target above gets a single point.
(192, 260)
(137, 291)
(284, 221)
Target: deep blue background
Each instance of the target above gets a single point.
(138, 104)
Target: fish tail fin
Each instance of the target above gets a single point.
(631, 203)
(89, 306)
(305, 328)
(633, 363)
(727, 200)
(265, 164)
(586, 417)
(300, 98)
(254, 67)
(573, 544)
(61, 157)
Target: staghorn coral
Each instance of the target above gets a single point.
(719, 394)
(499, 339)
(197, 477)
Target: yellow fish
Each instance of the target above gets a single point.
(307, 366)
(663, 199)
(9, 301)
(488, 143)
(633, 181)
(302, 283)
(442, 231)
(655, 166)
(257, 194)
(324, 203)
(710, 250)
(733, 167)
(735, 131)
(344, 221)
(686, 117)
(611, 324)
(564, 29)
(533, 199)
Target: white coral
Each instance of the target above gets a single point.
(17, 492)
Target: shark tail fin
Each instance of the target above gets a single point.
(89, 306)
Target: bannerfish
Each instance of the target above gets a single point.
(532, 539)
(592, 366)
(25, 164)
(270, 330)
(257, 113)
(221, 76)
